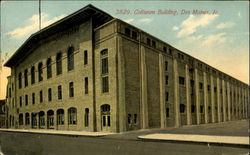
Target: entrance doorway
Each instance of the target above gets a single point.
(105, 117)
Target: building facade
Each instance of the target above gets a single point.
(92, 72)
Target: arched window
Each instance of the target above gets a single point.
(20, 80)
(26, 77)
(50, 120)
(49, 68)
(70, 58)
(59, 63)
(41, 119)
(32, 75)
(60, 116)
(86, 117)
(27, 119)
(20, 119)
(34, 120)
(72, 115)
(104, 52)
(40, 71)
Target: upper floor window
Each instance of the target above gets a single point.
(104, 61)
(134, 35)
(70, 58)
(148, 41)
(181, 80)
(182, 108)
(166, 65)
(167, 96)
(26, 100)
(164, 48)
(105, 84)
(20, 101)
(86, 85)
(59, 63)
(41, 96)
(127, 32)
(40, 71)
(71, 89)
(26, 77)
(20, 80)
(49, 68)
(85, 57)
(166, 79)
(59, 92)
(32, 72)
(153, 43)
(33, 98)
(200, 85)
(49, 94)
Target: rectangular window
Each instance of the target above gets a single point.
(86, 85)
(129, 119)
(167, 112)
(135, 118)
(59, 88)
(127, 32)
(201, 109)
(85, 57)
(26, 100)
(41, 96)
(193, 108)
(215, 89)
(49, 94)
(182, 108)
(208, 87)
(134, 35)
(59, 63)
(148, 41)
(71, 89)
(26, 77)
(181, 80)
(200, 85)
(167, 96)
(20, 101)
(164, 48)
(104, 65)
(166, 65)
(33, 98)
(166, 80)
(153, 43)
(105, 84)
(86, 117)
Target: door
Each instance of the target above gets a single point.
(105, 118)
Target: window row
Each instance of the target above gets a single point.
(38, 119)
(58, 62)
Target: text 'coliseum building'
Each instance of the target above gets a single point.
(90, 71)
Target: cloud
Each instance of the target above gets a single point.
(129, 20)
(225, 25)
(190, 25)
(214, 38)
(239, 15)
(175, 28)
(33, 25)
(145, 20)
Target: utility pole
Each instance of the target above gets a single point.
(39, 14)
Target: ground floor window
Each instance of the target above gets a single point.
(60, 116)
(72, 115)
(27, 119)
(86, 117)
(50, 114)
(20, 119)
(41, 119)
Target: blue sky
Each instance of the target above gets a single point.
(221, 40)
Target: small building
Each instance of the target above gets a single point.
(90, 71)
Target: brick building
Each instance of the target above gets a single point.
(90, 71)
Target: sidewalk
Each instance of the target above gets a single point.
(232, 140)
(59, 132)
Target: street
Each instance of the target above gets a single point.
(41, 144)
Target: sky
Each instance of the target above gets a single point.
(217, 33)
